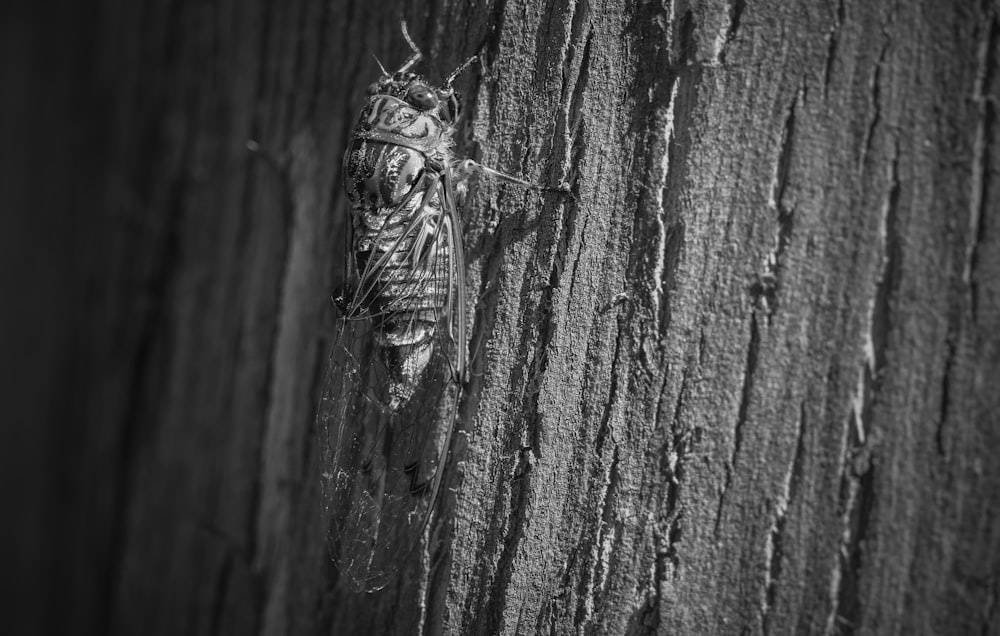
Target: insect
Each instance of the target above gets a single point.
(394, 378)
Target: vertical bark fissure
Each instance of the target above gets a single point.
(495, 603)
(981, 161)
(746, 394)
(774, 549)
(580, 31)
(677, 457)
(848, 606)
(773, 552)
(832, 44)
(651, 619)
(665, 267)
(887, 282)
(876, 103)
(498, 15)
(578, 141)
(857, 479)
(604, 428)
(546, 309)
(574, 264)
(765, 290)
(736, 9)
(946, 380)
(609, 529)
(590, 586)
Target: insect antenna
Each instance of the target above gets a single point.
(385, 73)
(413, 59)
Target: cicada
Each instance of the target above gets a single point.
(394, 379)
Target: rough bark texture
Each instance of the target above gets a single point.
(741, 381)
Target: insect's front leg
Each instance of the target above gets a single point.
(464, 169)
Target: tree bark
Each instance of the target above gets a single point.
(735, 381)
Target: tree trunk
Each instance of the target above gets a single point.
(735, 381)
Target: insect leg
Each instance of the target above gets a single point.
(451, 76)
(465, 168)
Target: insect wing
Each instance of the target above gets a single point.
(384, 441)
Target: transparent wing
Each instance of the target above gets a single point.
(392, 388)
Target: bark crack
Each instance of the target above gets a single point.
(496, 593)
(736, 10)
(746, 394)
(831, 50)
(877, 320)
(876, 103)
(497, 15)
(858, 493)
(723, 38)
(774, 549)
(575, 118)
(594, 581)
(604, 430)
(579, 31)
(650, 615)
(981, 164)
(949, 367)
(765, 289)
(676, 457)
(659, 231)
(562, 240)
(577, 256)
(858, 470)
(888, 277)
(660, 268)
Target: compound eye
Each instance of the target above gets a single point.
(372, 89)
(422, 97)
